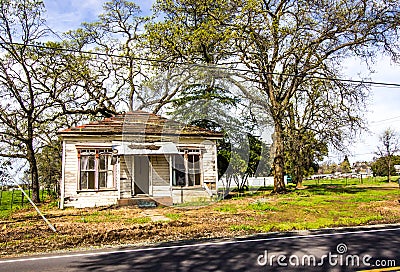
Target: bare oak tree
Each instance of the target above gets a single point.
(389, 145)
(24, 102)
(280, 46)
(118, 65)
(40, 83)
(321, 113)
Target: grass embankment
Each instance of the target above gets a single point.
(13, 201)
(329, 204)
(321, 206)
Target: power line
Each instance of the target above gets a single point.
(387, 119)
(384, 122)
(397, 85)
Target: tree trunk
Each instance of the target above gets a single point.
(34, 172)
(279, 163)
(389, 164)
(299, 177)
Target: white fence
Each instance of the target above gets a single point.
(251, 182)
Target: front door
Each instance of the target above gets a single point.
(141, 175)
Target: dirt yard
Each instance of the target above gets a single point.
(26, 233)
(89, 228)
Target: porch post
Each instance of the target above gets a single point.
(170, 171)
(216, 164)
(132, 173)
(186, 163)
(62, 185)
(117, 176)
(150, 162)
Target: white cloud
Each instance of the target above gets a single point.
(63, 15)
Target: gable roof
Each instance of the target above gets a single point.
(138, 123)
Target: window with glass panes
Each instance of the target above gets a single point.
(96, 170)
(186, 168)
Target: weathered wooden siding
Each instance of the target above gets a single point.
(83, 198)
(71, 170)
(188, 194)
(160, 175)
(209, 156)
(125, 177)
(209, 172)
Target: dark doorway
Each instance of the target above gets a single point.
(141, 175)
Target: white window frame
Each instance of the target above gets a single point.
(187, 168)
(110, 170)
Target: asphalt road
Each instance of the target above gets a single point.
(329, 250)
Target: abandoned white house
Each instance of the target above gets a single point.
(137, 155)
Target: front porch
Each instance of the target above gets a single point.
(165, 179)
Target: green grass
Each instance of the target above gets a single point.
(314, 207)
(173, 216)
(93, 217)
(98, 217)
(200, 202)
(7, 206)
(350, 181)
(6, 197)
(323, 222)
(138, 220)
(321, 206)
(241, 227)
(226, 208)
(261, 206)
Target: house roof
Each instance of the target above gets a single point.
(138, 123)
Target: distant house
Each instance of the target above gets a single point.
(362, 168)
(397, 168)
(137, 155)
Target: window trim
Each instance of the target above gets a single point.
(185, 152)
(97, 151)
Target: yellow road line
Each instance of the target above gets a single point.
(397, 268)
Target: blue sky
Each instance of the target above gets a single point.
(63, 15)
(384, 105)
